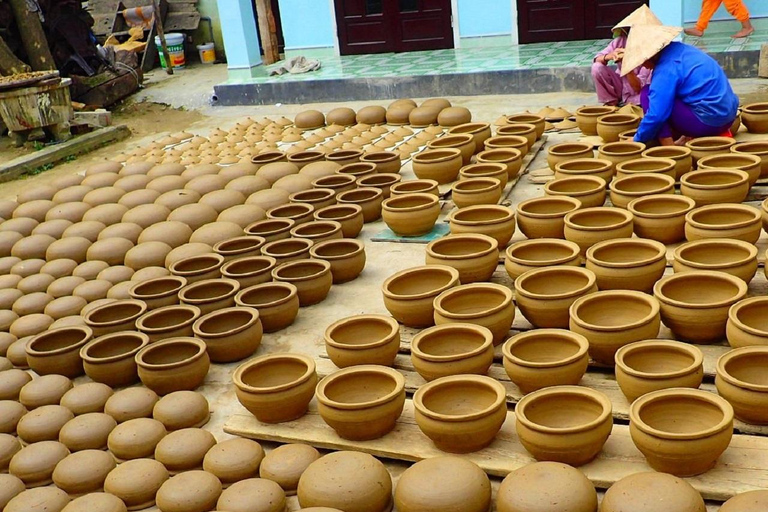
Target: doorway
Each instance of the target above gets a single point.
(378, 26)
(542, 21)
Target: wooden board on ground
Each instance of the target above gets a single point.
(743, 467)
(387, 235)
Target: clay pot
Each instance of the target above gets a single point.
(57, 351)
(476, 191)
(738, 381)
(381, 181)
(526, 130)
(346, 257)
(589, 190)
(268, 198)
(485, 304)
(335, 182)
(415, 187)
(369, 199)
(181, 410)
(249, 271)
(496, 221)
(734, 257)
(757, 148)
(660, 217)
(238, 247)
(452, 349)
(617, 152)
(480, 132)
(585, 167)
(168, 322)
(588, 226)
(271, 229)
(463, 142)
(441, 165)
(297, 212)
(528, 118)
(110, 358)
(318, 231)
(544, 295)
(751, 164)
(627, 263)
(475, 256)
(116, 316)
(350, 216)
(9, 446)
(34, 464)
(344, 156)
(511, 158)
(611, 125)
(312, 279)
(519, 491)
(714, 186)
(89, 431)
(173, 364)
(681, 448)
(386, 161)
(754, 117)
(357, 170)
(745, 326)
(199, 267)
(737, 221)
(485, 170)
(694, 305)
(587, 117)
(461, 413)
(231, 334)
(411, 214)
(234, 460)
(267, 157)
(317, 197)
(136, 482)
(544, 252)
(624, 190)
(706, 146)
(544, 217)
(302, 158)
(210, 294)
(363, 339)
(159, 292)
(277, 387)
(566, 151)
(409, 294)
(277, 303)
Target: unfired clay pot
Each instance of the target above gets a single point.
(210, 294)
(475, 256)
(746, 326)
(83, 472)
(589, 190)
(734, 257)
(116, 316)
(168, 322)
(346, 258)
(757, 148)
(739, 221)
(544, 295)
(568, 151)
(173, 364)
(452, 349)
(486, 304)
(43, 423)
(409, 294)
(234, 460)
(754, 117)
(661, 217)
(714, 186)
(57, 351)
(270, 229)
(363, 339)
(414, 187)
(680, 154)
(318, 230)
(528, 118)
(136, 482)
(588, 226)
(230, 334)
(587, 117)
(541, 252)
(350, 216)
(238, 247)
(620, 151)
(627, 263)
(250, 270)
(411, 214)
(751, 164)
(442, 483)
(285, 465)
(88, 431)
(739, 381)
(644, 490)
(706, 146)
(625, 190)
(585, 167)
(463, 142)
(441, 165)
(521, 489)
(312, 279)
(159, 292)
(369, 199)
(544, 217)
(510, 157)
(253, 494)
(43, 499)
(277, 303)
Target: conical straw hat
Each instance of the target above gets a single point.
(644, 42)
(643, 15)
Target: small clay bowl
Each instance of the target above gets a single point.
(681, 431)
(627, 263)
(567, 424)
(452, 349)
(346, 257)
(738, 221)
(544, 217)
(695, 304)
(757, 148)
(120, 315)
(350, 216)
(715, 186)
(680, 154)
(312, 279)
(317, 197)
(270, 229)
(461, 413)
(589, 226)
(589, 190)
(663, 166)
(740, 381)
(614, 318)
(210, 294)
(625, 190)
(239, 247)
(415, 187)
(661, 217)
(363, 339)
(441, 165)
(496, 221)
(288, 249)
(168, 322)
(544, 295)
(249, 270)
(277, 387)
(734, 257)
(474, 256)
(411, 214)
(363, 402)
(585, 167)
(297, 212)
(369, 199)
(277, 303)
(747, 324)
(318, 230)
(57, 351)
(651, 365)
(159, 292)
(526, 255)
(173, 364)
(409, 294)
(545, 357)
(110, 359)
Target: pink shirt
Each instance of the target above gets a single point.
(644, 74)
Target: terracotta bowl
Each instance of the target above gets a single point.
(541, 252)
(173, 364)
(210, 294)
(625, 190)
(480, 131)
(589, 190)
(611, 125)
(627, 263)
(661, 217)
(485, 304)
(474, 256)
(297, 212)
(496, 221)
(120, 315)
(277, 303)
(545, 357)
(312, 279)
(358, 170)
(369, 199)
(288, 249)
(318, 230)
(385, 161)
(585, 167)
(346, 257)
(751, 164)
(586, 117)
(363, 402)
(747, 324)
(628, 136)
(568, 151)
(382, 181)
(350, 216)
(363, 339)
(159, 292)
(651, 365)
(441, 165)
(239, 247)
(249, 270)
(111, 359)
(740, 380)
(415, 187)
(715, 186)
(335, 182)
(317, 197)
(695, 304)
(276, 387)
(589, 226)
(524, 117)
(706, 146)
(757, 148)
(485, 170)
(461, 413)
(681, 431)
(764, 213)
(738, 221)
(734, 257)
(754, 117)
(507, 141)
(619, 151)
(544, 295)
(198, 267)
(168, 322)
(411, 214)
(680, 154)
(476, 191)
(230, 334)
(614, 318)
(452, 349)
(664, 166)
(544, 217)
(409, 294)
(270, 229)
(57, 351)
(464, 142)
(567, 424)
(526, 130)
(510, 156)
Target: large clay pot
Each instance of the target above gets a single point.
(173, 364)
(485, 304)
(680, 154)
(644, 490)
(363, 402)
(57, 351)
(110, 359)
(441, 165)
(415, 187)
(740, 382)
(312, 279)
(452, 349)
(528, 118)
(544, 217)
(751, 164)
(757, 148)
(277, 303)
(567, 424)
(585, 167)
(288, 249)
(651, 365)
(586, 118)
(474, 256)
(210, 294)
(755, 117)
(463, 142)
(589, 190)
(369, 199)
(738, 221)
(346, 257)
(588, 226)
(614, 318)
(461, 413)
(627, 263)
(276, 387)
(620, 151)
(116, 316)
(271, 229)
(694, 305)
(443, 483)
(545, 357)
(363, 339)
(357, 170)
(230, 334)
(159, 292)
(661, 217)
(734, 257)
(496, 221)
(611, 125)
(681, 448)
(411, 214)
(544, 295)
(528, 255)
(625, 190)
(511, 158)
(409, 294)
(250, 270)
(746, 323)
(706, 146)
(570, 489)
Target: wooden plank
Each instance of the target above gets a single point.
(181, 21)
(743, 467)
(267, 31)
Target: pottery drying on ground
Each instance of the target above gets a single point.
(182, 409)
(136, 482)
(476, 191)
(589, 190)
(452, 349)
(740, 382)
(83, 472)
(363, 339)
(587, 117)
(88, 431)
(625, 190)
(411, 214)
(115, 316)
(705, 146)
(277, 303)
(43, 423)
(510, 157)
(43, 499)
(661, 217)
(11, 412)
(542, 252)
(34, 464)
(734, 257)
(230, 334)
(588, 226)
(210, 294)
(253, 494)
(57, 351)
(746, 325)
(475, 256)
(312, 279)
(346, 257)
(234, 460)
(754, 117)
(567, 487)
(565, 151)
(643, 492)
(285, 465)
(409, 294)
(44, 390)
(168, 322)
(757, 148)
(158, 292)
(369, 199)
(87, 397)
(751, 164)
(9, 446)
(443, 483)
(129, 403)
(620, 151)
(585, 167)
(544, 217)
(184, 449)
(175, 496)
(271, 229)
(173, 364)
(350, 216)
(463, 142)
(136, 438)
(486, 304)
(441, 165)
(627, 263)
(250, 270)
(544, 295)
(715, 186)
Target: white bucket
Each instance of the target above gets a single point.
(175, 43)
(207, 53)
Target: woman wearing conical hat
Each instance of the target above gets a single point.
(611, 88)
(689, 96)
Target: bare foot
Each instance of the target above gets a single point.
(744, 32)
(694, 32)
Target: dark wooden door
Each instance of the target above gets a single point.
(602, 15)
(378, 26)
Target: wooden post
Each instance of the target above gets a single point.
(32, 36)
(267, 31)
(9, 63)
(161, 35)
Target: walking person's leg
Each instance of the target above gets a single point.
(708, 8)
(739, 11)
(608, 84)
